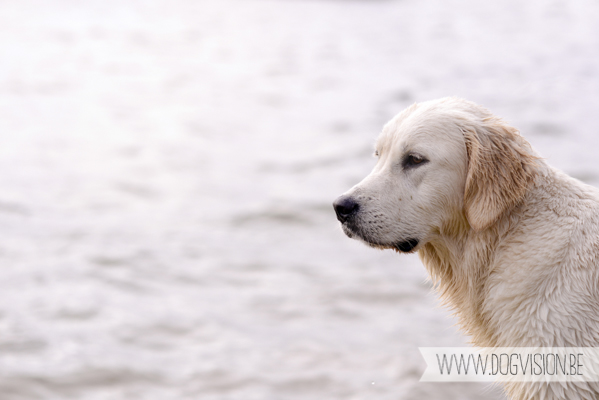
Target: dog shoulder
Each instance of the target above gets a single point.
(545, 281)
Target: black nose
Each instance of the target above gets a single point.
(345, 207)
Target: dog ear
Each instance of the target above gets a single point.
(501, 166)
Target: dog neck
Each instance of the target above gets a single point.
(459, 261)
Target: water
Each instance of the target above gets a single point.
(167, 171)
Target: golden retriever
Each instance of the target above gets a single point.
(511, 243)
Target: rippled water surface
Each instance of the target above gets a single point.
(167, 170)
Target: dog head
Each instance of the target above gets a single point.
(443, 165)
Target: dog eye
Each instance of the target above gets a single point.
(415, 160)
(376, 153)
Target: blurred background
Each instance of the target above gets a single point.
(167, 170)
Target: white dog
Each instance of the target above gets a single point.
(512, 243)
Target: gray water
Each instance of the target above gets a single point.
(167, 171)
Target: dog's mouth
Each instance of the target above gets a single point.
(407, 245)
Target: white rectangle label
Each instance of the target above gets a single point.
(511, 364)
